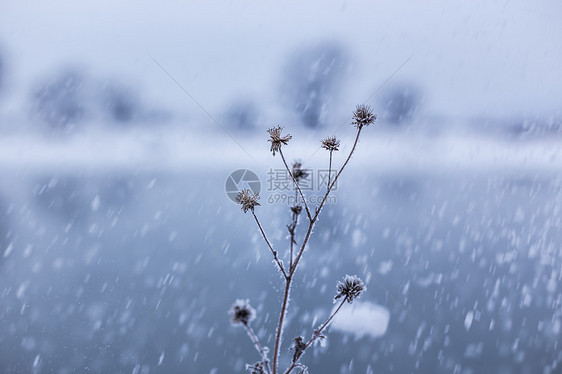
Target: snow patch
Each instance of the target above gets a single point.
(362, 318)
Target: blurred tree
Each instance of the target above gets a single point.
(72, 97)
(118, 103)
(400, 103)
(242, 114)
(1, 70)
(311, 79)
(61, 101)
(4, 231)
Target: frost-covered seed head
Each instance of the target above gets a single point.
(256, 368)
(363, 116)
(242, 312)
(298, 346)
(247, 199)
(331, 144)
(350, 289)
(297, 209)
(298, 172)
(276, 139)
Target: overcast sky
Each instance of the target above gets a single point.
(471, 58)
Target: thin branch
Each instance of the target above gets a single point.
(288, 281)
(317, 333)
(280, 324)
(291, 229)
(296, 210)
(298, 365)
(274, 252)
(319, 208)
(258, 346)
(293, 267)
(301, 250)
(296, 184)
(329, 171)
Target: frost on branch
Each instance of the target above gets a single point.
(256, 368)
(298, 346)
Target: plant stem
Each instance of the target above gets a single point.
(329, 171)
(296, 184)
(337, 175)
(316, 334)
(274, 252)
(280, 325)
(293, 267)
(259, 347)
(292, 227)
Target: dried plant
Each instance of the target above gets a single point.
(276, 139)
(331, 144)
(363, 116)
(248, 200)
(348, 290)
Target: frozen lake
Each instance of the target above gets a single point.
(131, 266)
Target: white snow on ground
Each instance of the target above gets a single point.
(362, 318)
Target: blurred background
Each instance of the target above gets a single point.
(120, 122)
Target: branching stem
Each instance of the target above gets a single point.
(274, 252)
(316, 334)
(259, 347)
(329, 171)
(293, 264)
(280, 324)
(296, 184)
(292, 227)
(319, 208)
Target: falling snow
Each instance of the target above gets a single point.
(121, 252)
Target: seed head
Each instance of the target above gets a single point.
(256, 368)
(298, 346)
(247, 199)
(363, 116)
(351, 288)
(276, 139)
(242, 312)
(331, 144)
(298, 172)
(297, 209)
